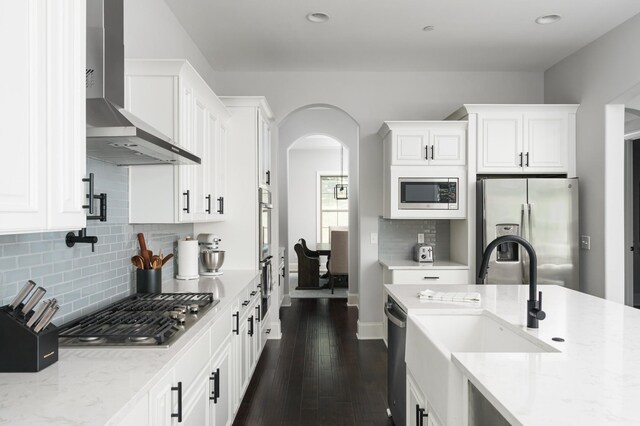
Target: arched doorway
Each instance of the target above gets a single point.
(334, 123)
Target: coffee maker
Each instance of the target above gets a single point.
(211, 257)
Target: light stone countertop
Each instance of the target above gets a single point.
(95, 386)
(398, 263)
(593, 380)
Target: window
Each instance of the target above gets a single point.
(332, 212)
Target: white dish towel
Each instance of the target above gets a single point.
(442, 296)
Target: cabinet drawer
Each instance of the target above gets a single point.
(430, 276)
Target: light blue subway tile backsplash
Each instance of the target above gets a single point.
(83, 281)
(396, 237)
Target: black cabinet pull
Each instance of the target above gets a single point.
(237, 330)
(208, 198)
(245, 303)
(268, 177)
(283, 272)
(420, 415)
(268, 331)
(433, 148)
(215, 394)
(527, 159)
(187, 208)
(179, 413)
(221, 205)
(250, 332)
(258, 316)
(520, 155)
(426, 152)
(90, 194)
(253, 293)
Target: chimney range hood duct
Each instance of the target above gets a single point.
(113, 134)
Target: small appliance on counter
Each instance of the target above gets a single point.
(31, 341)
(422, 253)
(211, 258)
(188, 259)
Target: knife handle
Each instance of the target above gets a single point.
(35, 298)
(46, 318)
(37, 314)
(22, 294)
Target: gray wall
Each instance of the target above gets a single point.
(151, 31)
(370, 98)
(80, 280)
(593, 77)
(304, 165)
(396, 238)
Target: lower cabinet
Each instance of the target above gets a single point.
(206, 385)
(419, 413)
(222, 393)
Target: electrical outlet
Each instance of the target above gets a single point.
(585, 242)
(374, 238)
(421, 238)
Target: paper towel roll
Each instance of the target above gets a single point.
(188, 253)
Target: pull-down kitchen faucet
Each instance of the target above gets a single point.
(534, 307)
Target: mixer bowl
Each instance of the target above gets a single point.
(212, 260)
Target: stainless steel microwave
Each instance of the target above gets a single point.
(439, 193)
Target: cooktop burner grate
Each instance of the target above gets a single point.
(139, 320)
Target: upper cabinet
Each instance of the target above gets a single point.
(424, 165)
(416, 143)
(526, 139)
(172, 97)
(264, 147)
(43, 108)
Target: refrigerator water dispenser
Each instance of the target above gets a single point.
(507, 252)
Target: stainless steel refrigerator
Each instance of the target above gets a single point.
(544, 211)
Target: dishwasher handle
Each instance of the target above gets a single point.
(399, 322)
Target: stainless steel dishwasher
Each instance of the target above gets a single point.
(396, 367)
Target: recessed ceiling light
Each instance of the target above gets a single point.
(548, 19)
(428, 28)
(317, 17)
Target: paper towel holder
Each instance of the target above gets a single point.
(188, 252)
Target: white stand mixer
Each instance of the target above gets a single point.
(211, 258)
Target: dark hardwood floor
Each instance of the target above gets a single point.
(318, 373)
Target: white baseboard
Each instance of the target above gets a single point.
(352, 300)
(276, 330)
(369, 330)
(286, 301)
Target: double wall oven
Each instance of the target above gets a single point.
(264, 248)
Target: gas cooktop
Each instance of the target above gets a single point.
(141, 320)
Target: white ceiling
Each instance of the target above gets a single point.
(386, 35)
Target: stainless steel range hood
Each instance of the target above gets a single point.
(113, 134)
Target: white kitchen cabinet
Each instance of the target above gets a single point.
(171, 96)
(43, 107)
(430, 276)
(419, 412)
(254, 117)
(424, 143)
(222, 382)
(264, 148)
(162, 401)
(196, 409)
(523, 139)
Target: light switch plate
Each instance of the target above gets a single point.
(374, 238)
(585, 242)
(421, 238)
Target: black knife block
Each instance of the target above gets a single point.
(22, 349)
